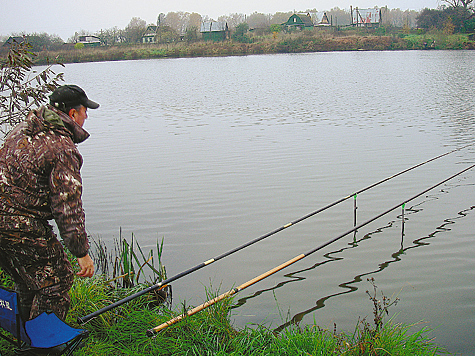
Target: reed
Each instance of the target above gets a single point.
(122, 331)
(127, 265)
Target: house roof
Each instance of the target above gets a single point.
(15, 39)
(299, 20)
(324, 20)
(214, 26)
(89, 39)
(151, 30)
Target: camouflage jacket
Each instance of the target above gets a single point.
(40, 178)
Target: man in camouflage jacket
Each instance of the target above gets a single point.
(39, 181)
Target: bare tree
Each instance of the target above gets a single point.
(340, 17)
(280, 17)
(233, 20)
(399, 18)
(206, 18)
(135, 30)
(111, 36)
(178, 21)
(194, 20)
(258, 20)
(466, 4)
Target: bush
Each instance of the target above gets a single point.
(22, 88)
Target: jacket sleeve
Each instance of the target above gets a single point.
(66, 203)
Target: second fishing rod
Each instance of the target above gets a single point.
(167, 281)
(152, 332)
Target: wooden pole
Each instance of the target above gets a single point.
(229, 293)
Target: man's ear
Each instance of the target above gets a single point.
(71, 113)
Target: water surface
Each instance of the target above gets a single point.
(210, 153)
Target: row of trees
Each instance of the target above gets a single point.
(449, 19)
(40, 41)
(455, 15)
(180, 21)
(175, 24)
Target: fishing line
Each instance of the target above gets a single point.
(152, 332)
(167, 281)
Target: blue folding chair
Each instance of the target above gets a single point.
(46, 334)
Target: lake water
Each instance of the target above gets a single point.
(209, 153)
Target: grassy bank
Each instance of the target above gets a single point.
(211, 332)
(306, 41)
(122, 331)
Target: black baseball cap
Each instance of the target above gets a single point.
(69, 96)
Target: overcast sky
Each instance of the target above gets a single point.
(65, 17)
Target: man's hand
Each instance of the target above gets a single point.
(87, 266)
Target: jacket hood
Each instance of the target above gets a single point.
(47, 118)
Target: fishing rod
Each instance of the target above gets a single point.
(153, 331)
(167, 281)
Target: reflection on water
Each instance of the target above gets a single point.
(209, 153)
(352, 286)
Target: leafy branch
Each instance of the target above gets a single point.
(21, 87)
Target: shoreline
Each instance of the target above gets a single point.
(288, 43)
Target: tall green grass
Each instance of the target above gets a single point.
(5, 280)
(127, 265)
(122, 331)
(440, 41)
(211, 332)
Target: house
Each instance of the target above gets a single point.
(324, 21)
(89, 41)
(299, 21)
(14, 40)
(150, 34)
(214, 31)
(365, 17)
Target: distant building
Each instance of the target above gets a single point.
(214, 31)
(150, 34)
(324, 21)
(14, 40)
(299, 21)
(89, 41)
(365, 17)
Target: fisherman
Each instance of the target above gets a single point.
(40, 180)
